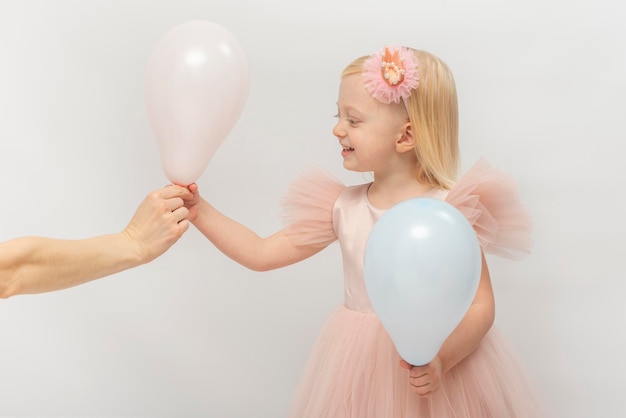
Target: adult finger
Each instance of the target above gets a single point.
(180, 214)
(174, 203)
(175, 191)
(184, 226)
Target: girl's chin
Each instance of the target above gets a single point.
(351, 167)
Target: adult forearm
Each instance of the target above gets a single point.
(35, 264)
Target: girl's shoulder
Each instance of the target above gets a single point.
(489, 199)
(308, 205)
(314, 187)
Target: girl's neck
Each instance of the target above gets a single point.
(390, 189)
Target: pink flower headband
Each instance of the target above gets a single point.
(390, 76)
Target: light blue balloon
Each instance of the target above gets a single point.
(422, 266)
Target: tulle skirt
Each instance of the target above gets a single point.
(354, 372)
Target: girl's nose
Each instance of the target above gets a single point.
(338, 131)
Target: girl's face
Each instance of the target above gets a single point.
(367, 129)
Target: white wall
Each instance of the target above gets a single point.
(541, 88)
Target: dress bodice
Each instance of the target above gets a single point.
(319, 209)
(353, 219)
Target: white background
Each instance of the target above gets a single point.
(541, 89)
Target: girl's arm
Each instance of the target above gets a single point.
(242, 244)
(503, 227)
(463, 340)
(36, 264)
(474, 326)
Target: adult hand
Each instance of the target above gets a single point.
(159, 221)
(424, 380)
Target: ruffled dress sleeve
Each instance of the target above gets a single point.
(489, 199)
(307, 208)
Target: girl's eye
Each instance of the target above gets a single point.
(348, 119)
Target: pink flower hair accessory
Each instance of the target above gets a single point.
(391, 74)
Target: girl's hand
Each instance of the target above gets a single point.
(424, 380)
(192, 201)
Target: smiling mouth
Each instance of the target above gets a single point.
(348, 149)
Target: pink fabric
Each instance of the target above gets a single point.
(353, 370)
(489, 200)
(307, 208)
(486, 196)
(385, 90)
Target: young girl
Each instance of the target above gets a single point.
(397, 117)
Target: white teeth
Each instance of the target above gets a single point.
(348, 149)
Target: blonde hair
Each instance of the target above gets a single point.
(433, 114)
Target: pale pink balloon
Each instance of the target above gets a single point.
(196, 85)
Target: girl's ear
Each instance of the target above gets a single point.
(406, 141)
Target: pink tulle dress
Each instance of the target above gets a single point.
(353, 370)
